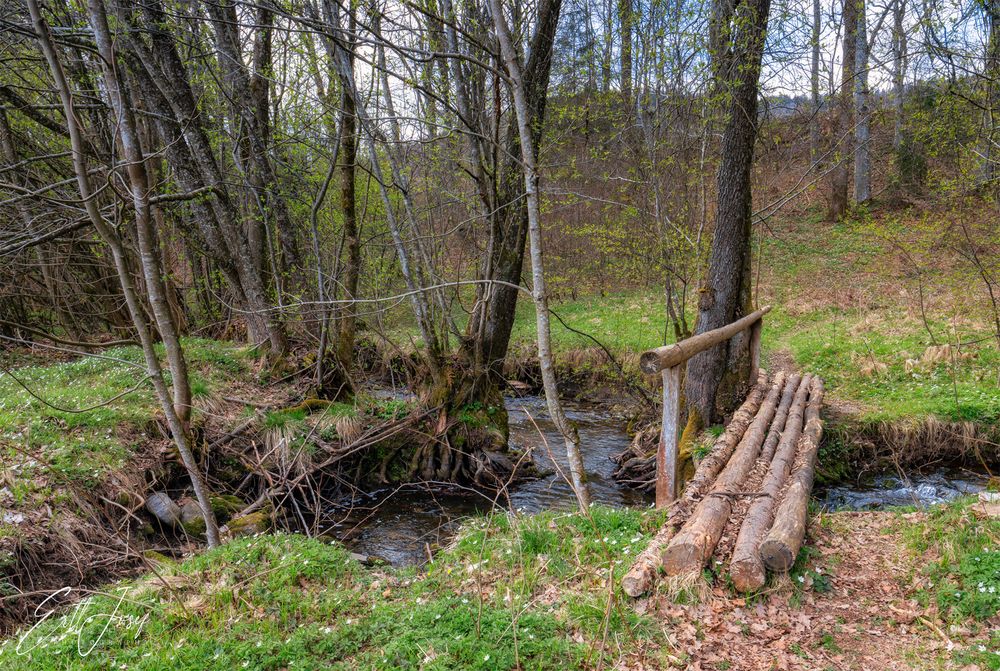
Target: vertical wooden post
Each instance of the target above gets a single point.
(755, 332)
(666, 453)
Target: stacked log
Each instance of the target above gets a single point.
(643, 572)
(693, 545)
(746, 567)
(637, 465)
(767, 453)
(781, 546)
(709, 467)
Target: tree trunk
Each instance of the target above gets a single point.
(815, 136)
(347, 317)
(503, 204)
(531, 179)
(845, 117)
(862, 132)
(107, 232)
(991, 123)
(725, 297)
(899, 59)
(625, 20)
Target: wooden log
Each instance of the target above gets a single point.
(720, 453)
(642, 575)
(746, 568)
(163, 508)
(781, 546)
(666, 451)
(655, 360)
(695, 542)
(781, 417)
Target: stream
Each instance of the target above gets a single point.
(405, 526)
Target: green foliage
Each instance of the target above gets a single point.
(964, 581)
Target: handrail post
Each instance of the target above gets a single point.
(755, 338)
(666, 453)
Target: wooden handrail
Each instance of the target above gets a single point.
(667, 362)
(668, 356)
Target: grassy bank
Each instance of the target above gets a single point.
(534, 593)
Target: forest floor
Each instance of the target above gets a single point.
(886, 590)
(893, 589)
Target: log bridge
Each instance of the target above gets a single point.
(748, 498)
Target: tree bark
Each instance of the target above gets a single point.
(725, 297)
(899, 67)
(845, 116)
(862, 131)
(570, 436)
(815, 136)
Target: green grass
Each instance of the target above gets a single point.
(838, 345)
(85, 446)
(963, 580)
(624, 322)
(864, 361)
(527, 593)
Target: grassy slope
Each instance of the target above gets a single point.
(44, 450)
(524, 592)
(533, 591)
(840, 312)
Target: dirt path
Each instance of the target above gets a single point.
(851, 609)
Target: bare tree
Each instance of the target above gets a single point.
(518, 89)
(150, 261)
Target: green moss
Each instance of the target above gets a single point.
(257, 522)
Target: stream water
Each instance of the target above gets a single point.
(403, 526)
(406, 525)
(910, 489)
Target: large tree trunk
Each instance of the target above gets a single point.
(845, 114)
(862, 154)
(716, 378)
(348, 204)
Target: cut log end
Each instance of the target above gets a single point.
(777, 556)
(748, 574)
(681, 557)
(638, 582)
